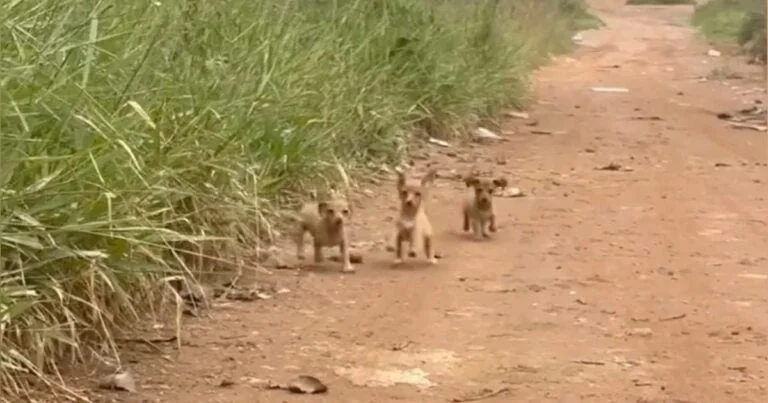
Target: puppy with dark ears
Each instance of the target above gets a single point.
(478, 205)
(412, 224)
(327, 222)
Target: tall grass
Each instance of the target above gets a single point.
(136, 134)
(740, 21)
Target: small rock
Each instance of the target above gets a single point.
(713, 53)
(122, 381)
(439, 142)
(722, 164)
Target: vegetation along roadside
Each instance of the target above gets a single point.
(136, 137)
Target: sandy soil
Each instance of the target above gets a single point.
(644, 284)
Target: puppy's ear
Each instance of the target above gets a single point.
(470, 180)
(321, 207)
(400, 178)
(500, 182)
(429, 178)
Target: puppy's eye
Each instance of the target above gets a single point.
(345, 212)
(418, 194)
(404, 194)
(329, 211)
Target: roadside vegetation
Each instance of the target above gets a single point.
(137, 137)
(739, 21)
(660, 2)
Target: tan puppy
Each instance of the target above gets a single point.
(478, 205)
(412, 224)
(327, 222)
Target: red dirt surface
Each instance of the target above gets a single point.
(644, 284)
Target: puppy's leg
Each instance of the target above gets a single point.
(492, 224)
(399, 248)
(301, 230)
(477, 227)
(344, 251)
(466, 221)
(318, 252)
(484, 229)
(428, 249)
(411, 250)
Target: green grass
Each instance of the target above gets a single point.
(660, 2)
(739, 21)
(137, 137)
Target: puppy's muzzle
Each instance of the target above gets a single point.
(484, 203)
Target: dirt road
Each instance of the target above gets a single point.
(645, 284)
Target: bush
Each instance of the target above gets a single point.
(139, 137)
(742, 21)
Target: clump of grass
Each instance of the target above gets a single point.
(740, 21)
(660, 2)
(137, 138)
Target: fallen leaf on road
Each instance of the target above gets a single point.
(609, 89)
(306, 384)
(483, 394)
(482, 133)
(518, 115)
(439, 142)
(122, 381)
(738, 125)
(610, 167)
(512, 192)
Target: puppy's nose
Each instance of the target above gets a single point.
(409, 203)
(338, 220)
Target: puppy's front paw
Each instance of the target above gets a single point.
(433, 261)
(348, 269)
(397, 262)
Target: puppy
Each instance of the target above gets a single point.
(412, 224)
(327, 222)
(478, 205)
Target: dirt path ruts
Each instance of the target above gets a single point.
(646, 285)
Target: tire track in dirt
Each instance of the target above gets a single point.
(600, 286)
